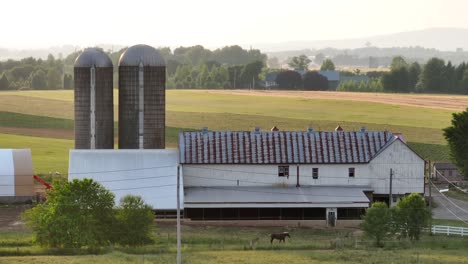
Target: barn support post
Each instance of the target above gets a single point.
(297, 177)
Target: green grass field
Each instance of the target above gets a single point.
(39, 110)
(226, 245)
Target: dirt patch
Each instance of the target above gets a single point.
(39, 132)
(446, 102)
(10, 218)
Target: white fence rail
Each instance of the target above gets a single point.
(449, 230)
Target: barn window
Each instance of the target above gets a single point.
(351, 172)
(283, 171)
(450, 173)
(315, 172)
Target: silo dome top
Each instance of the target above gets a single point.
(145, 54)
(93, 57)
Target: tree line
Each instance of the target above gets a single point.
(187, 67)
(36, 74)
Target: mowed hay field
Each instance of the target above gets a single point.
(43, 120)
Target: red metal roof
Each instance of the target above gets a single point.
(281, 147)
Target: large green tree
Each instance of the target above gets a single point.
(313, 81)
(76, 214)
(300, 63)
(377, 222)
(134, 221)
(289, 80)
(412, 215)
(4, 83)
(39, 80)
(433, 76)
(457, 138)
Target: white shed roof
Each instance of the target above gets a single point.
(266, 196)
(151, 174)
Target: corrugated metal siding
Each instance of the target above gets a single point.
(281, 147)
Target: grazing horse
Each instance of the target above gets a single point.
(280, 237)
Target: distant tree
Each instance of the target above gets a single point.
(134, 222)
(414, 72)
(250, 73)
(39, 80)
(4, 83)
(398, 62)
(449, 78)
(397, 79)
(464, 83)
(457, 138)
(432, 76)
(171, 67)
(289, 80)
(300, 63)
(54, 79)
(412, 215)
(377, 223)
(76, 214)
(313, 81)
(327, 65)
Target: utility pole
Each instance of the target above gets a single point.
(390, 196)
(430, 194)
(179, 255)
(430, 187)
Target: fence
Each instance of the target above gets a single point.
(449, 230)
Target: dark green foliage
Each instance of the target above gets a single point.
(313, 81)
(300, 63)
(4, 83)
(327, 65)
(457, 138)
(289, 80)
(377, 222)
(54, 79)
(432, 77)
(414, 71)
(134, 222)
(398, 78)
(76, 214)
(39, 80)
(411, 215)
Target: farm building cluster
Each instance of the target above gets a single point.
(330, 176)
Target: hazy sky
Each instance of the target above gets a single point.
(214, 23)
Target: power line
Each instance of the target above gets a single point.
(456, 205)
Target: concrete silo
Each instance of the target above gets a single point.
(94, 110)
(142, 98)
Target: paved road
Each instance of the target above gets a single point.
(444, 207)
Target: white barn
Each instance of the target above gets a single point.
(16, 175)
(281, 175)
(151, 174)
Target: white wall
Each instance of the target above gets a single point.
(7, 173)
(151, 174)
(406, 164)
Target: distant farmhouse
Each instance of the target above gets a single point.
(446, 171)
